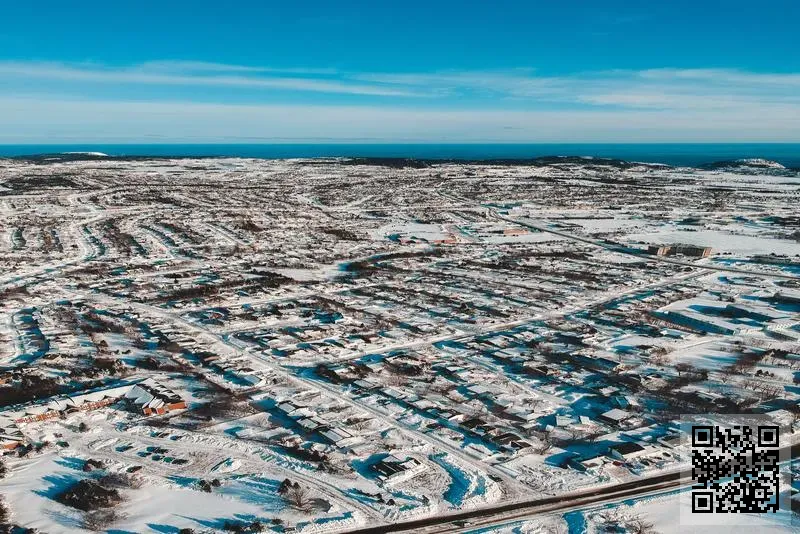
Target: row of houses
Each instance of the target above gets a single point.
(237, 367)
(308, 419)
(11, 436)
(148, 397)
(731, 319)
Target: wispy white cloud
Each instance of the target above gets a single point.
(525, 88)
(206, 66)
(498, 105)
(194, 74)
(58, 120)
(644, 89)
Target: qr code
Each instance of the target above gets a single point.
(735, 468)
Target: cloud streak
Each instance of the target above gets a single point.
(499, 105)
(663, 88)
(57, 120)
(195, 74)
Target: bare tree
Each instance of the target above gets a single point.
(121, 480)
(576, 434)
(683, 368)
(557, 527)
(546, 441)
(395, 379)
(659, 357)
(297, 496)
(100, 520)
(727, 373)
(638, 525)
(5, 512)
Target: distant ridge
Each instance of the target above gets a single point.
(764, 165)
(751, 164)
(673, 154)
(398, 163)
(541, 161)
(64, 157)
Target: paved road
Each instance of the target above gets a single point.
(518, 510)
(511, 512)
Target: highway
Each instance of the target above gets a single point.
(503, 513)
(517, 511)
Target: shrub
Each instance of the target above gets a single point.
(121, 480)
(5, 512)
(100, 520)
(88, 495)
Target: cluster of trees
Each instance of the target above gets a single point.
(100, 520)
(205, 291)
(341, 233)
(185, 233)
(6, 526)
(309, 455)
(295, 495)
(30, 387)
(88, 495)
(381, 263)
(209, 485)
(688, 373)
(255, 526)
(248, 225)
(122, 241)
(50, 240)
(223, 404)
(98, 499)
(94, 323)
(613, 521)
(154, 364)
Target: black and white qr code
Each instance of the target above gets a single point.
(735, 469)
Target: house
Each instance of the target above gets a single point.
(479, 390)
(678, 248)
(60, 406)
(615, 417)
(152, 398)
(671, 440)
(10, 435)
(310, 423)
(589, 464)
(628, 450)
(338, 436)
(392, 469)
(626, 401)
(526, 414)
(365, 384)
(563, 421)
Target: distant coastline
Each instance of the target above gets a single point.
(678, 154)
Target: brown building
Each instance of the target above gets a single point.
(694, 251)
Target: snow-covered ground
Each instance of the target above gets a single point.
(395, 342)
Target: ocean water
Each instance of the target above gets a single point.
(787, 154)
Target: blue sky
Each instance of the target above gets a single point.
(437, 71)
